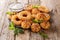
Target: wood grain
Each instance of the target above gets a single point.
(24, 36)
(5, 34)
(53, 33)
(36, 36)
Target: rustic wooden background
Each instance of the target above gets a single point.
(53, 33)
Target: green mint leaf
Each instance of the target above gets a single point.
(9, 13)
(35, 21)
(18, 30)
(11, 26)
(40, 21)
(44, 35)
(35, 6)
(21, 31)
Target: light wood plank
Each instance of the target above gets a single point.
(53, 34)
(5, 34)
(23, 1)
(24, 36)
(36, 36)
(34, 2)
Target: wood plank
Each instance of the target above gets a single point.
(24, 36)
(5, 34)
(2, 14)
(36, 36)
(34, 2)
(53, 33)
(23, 1)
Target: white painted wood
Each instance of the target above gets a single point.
(24, 36)
(35, 36)
(53, 34)
(23, 1)
(4, 24)
(2, 12)
(34, 2)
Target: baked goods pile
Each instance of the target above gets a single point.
(34, 17)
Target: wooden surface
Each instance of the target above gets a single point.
(53, 33)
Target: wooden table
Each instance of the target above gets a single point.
(53, 33)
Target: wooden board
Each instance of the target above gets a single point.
(53, 33)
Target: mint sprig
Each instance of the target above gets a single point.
(18, 30)
(9, 13)
(37, 21)
(44, 35)
(35, 6)
(11, 26)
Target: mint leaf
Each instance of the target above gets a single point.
(40, 21)
(9, 13)
(21, 31)
(44, 35)
(11, 26)
(35, 6)
(35, 21)
(18, 30)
